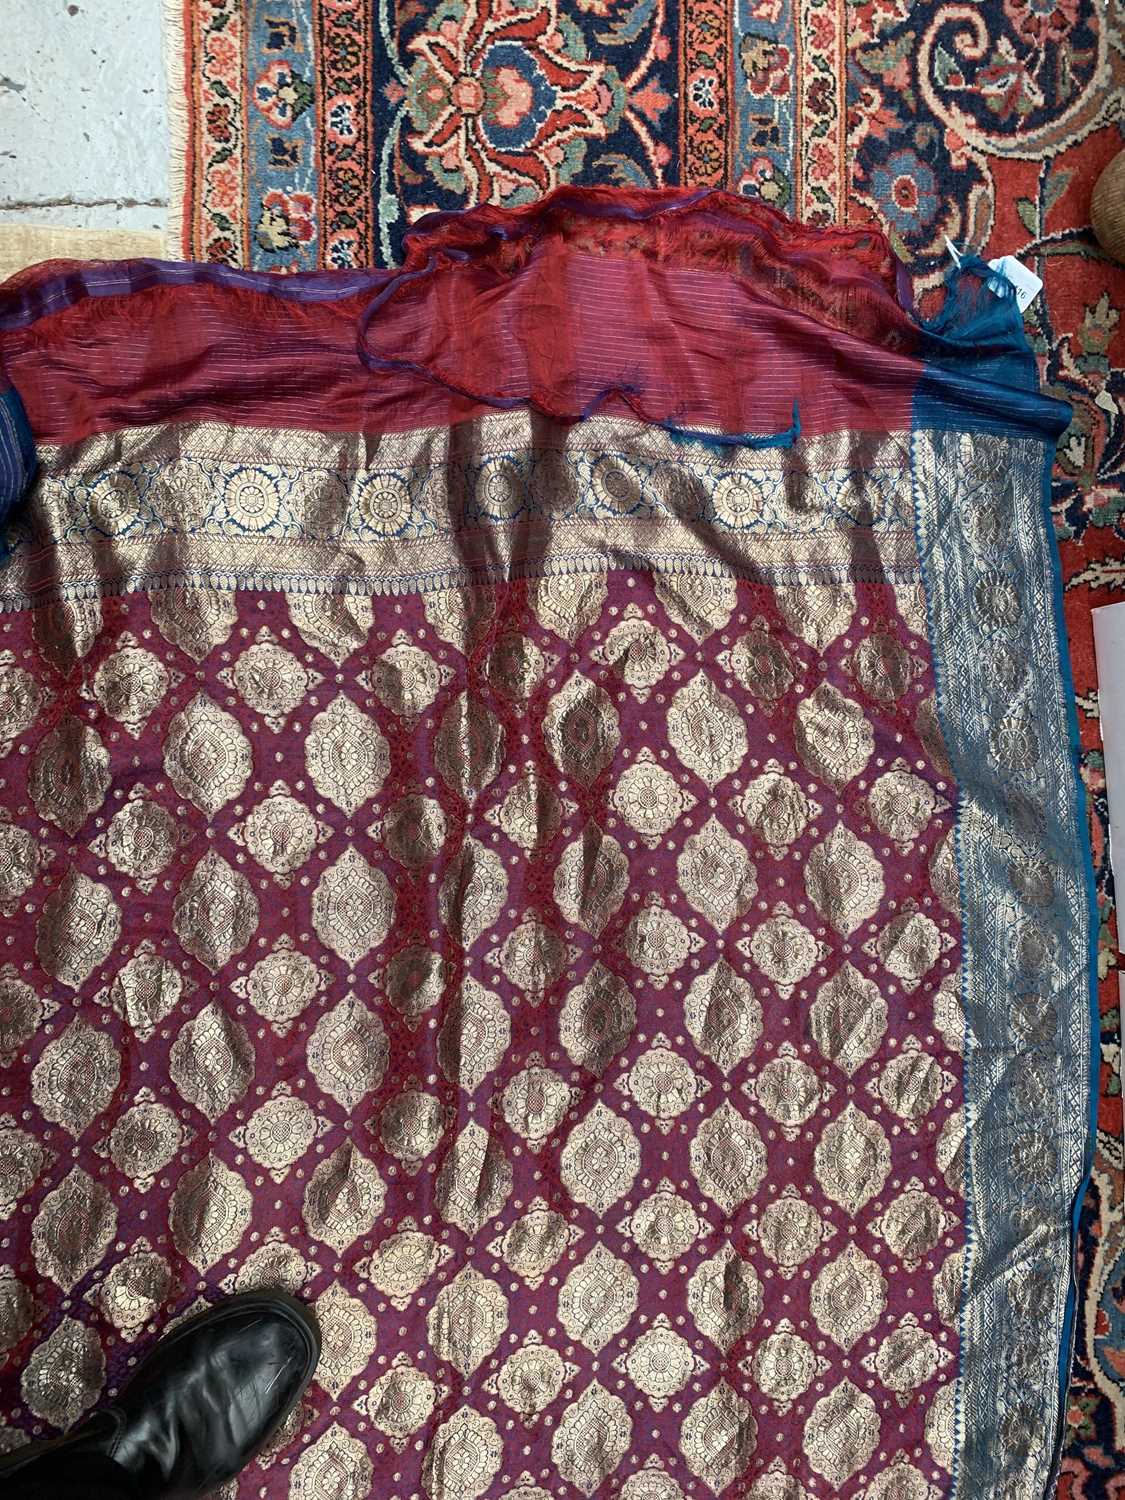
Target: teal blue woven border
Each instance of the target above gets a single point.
(982, 524)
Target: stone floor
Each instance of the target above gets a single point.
(83, 114)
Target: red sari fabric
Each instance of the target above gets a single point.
(512, 768)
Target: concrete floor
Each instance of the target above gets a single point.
(83, 114)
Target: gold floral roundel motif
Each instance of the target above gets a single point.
(532, 957)
(531, 1378)
(281, 985)
(909, 946)
(656, 941)
(785, 951)
(406, 679)
(401, 1401)
(907, 1358)
(761, 664)
(901, 805)
(784, 1366)
(279, 1133)
(141, 839)
(663, 1083)
(534, 1102)
(788, 1090)
(415, 980)
(531, 810)
(411, 1126)
(402, 1264)
(135, 1289)
(534, 1244)
(660, 1363)
(776, 808)
(649, 798)
(271, 681)
(281, 833)
(883, 667)
(638, 653)
(144, 1140)
(516, 666)
(130, 684)
(790, 1231)
(664, 1226)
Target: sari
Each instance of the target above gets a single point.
(541, 815)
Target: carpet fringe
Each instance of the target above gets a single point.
(174, 29)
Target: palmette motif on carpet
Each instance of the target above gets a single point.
(568, 859)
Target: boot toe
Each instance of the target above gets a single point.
(214, 1391)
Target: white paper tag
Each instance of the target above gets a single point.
(1027, 284)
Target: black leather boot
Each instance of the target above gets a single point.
(197, 1409)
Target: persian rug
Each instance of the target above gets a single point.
(311, 133)
(571, 860)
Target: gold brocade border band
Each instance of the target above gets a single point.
(521, 432)
(505, 496)
(515, 551)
